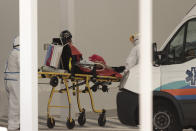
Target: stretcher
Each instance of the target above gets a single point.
(78, 81)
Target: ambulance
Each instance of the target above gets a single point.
(174, 82)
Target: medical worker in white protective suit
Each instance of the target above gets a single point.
(133, 57)
(12, 85)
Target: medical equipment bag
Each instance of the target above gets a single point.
(53, 55)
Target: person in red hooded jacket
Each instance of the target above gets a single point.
(70, 54)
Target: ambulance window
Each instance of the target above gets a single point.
(190, 47)
(176, 50)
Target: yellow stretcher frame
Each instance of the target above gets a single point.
(67, 77)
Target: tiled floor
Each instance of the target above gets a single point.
(91, 123)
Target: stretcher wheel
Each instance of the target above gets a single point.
(104, 88)
(102, 119)
(70, 124)
(82, 118)
(50, 122)
(43, 76)
(94, 88)
(54, 81)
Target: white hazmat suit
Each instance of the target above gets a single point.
(133, 57)
(12, 85)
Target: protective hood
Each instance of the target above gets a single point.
(16, 42)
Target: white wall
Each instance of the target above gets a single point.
(104, 26)
(49, 23)
(167, 15)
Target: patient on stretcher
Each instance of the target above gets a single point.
(63, 55)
